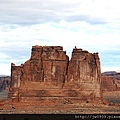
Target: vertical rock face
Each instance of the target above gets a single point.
(84, 69)
(50, 73)
(54, 64)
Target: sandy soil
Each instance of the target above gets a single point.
(3, 95)
(64, 106)
(112, 96)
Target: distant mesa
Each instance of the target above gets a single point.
(4, 83)
(110, 81)
(109, 72)
(110, 84)
(112, 74)
(50, 73)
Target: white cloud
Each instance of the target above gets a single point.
(89, 24)
(37, 11)
(3, 56)
(5, 69)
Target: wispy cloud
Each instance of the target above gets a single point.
(40, 11)
(89, 24)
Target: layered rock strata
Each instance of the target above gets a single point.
(49, 73)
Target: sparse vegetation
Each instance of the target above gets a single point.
(112, 96)
(3, 95)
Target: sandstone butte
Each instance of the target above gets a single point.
(50, 74)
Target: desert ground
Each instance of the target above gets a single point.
(64, 107)
(112, 96)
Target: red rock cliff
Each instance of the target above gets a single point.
(49, 73)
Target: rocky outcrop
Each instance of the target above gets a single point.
(4, 83)
(84, 73)
(49, 73)
(117, 84)
(109, 83)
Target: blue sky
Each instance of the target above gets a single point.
(92, 25)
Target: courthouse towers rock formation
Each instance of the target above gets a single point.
(49, 73)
